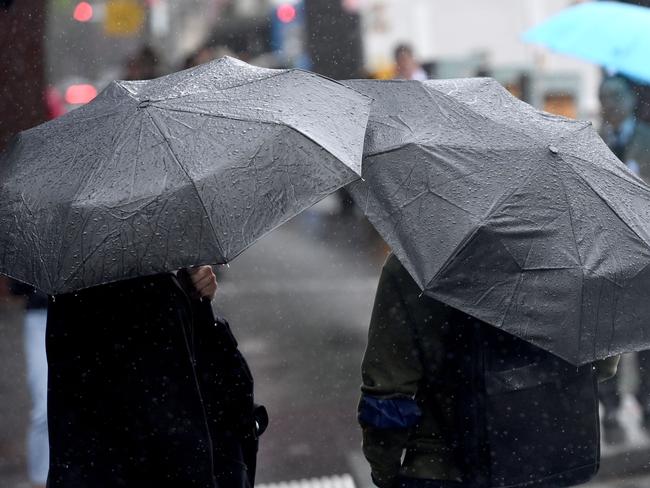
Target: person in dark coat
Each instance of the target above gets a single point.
(136, 397)
(409, 404)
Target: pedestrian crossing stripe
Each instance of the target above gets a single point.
(336, 481)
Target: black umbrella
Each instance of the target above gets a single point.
(522, 219)
(183, 170)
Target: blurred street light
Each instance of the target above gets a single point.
(286, 13)
(288, 33)
(83, 12)
(80, 94)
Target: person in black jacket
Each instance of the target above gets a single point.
(146, 389)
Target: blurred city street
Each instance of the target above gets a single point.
(299, 300)
(300, 305)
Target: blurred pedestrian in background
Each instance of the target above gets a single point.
(629, 140)
(143, 65)
(146, 388)
(406, 66)
(36, 364)
(204, 54)
(626, 136)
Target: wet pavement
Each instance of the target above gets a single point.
(299, 303)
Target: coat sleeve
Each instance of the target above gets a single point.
(391, 370)
(606, 368)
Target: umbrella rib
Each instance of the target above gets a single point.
(585, 125)
(269, 122)
(34, 240)
(88, 256)
(612, 328)
(94, 169)
(249, 82)
(633, 181)
(520, 279)
(69, 209)
(573, 232)
(191, 181)
(468, 237)
(606, 203)
(582, 270)
(135, 163)
(386, 124)
(465, 106)
(63, 121)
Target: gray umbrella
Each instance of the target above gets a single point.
(522, 219)
(183, 170)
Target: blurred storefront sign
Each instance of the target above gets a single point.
(351, 6)
(159, 19)
(123, 18)
(288, 31)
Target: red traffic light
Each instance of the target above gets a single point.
(286, 13)
(83, 12)
(78, 94)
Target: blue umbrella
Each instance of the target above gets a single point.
(612, 34)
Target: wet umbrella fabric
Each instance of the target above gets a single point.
(517, 217)
(612, 34)
(182, 170)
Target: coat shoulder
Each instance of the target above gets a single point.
(641, 138)
(396, 270)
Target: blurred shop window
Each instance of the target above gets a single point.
(561, 104)
(515, 90)
(124, 18)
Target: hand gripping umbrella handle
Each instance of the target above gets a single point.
(201, 306)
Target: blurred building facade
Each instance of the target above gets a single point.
(338, 38)
(22, 77)
(456, 38)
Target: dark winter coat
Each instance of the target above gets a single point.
(140, 394)
(35, 300)
(408, 403)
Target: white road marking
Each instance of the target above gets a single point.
(336, 481)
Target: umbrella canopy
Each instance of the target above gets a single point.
(182, 170)
(520, 218)
(612, 34)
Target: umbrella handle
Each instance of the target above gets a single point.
(185, 280)
(203, 307)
